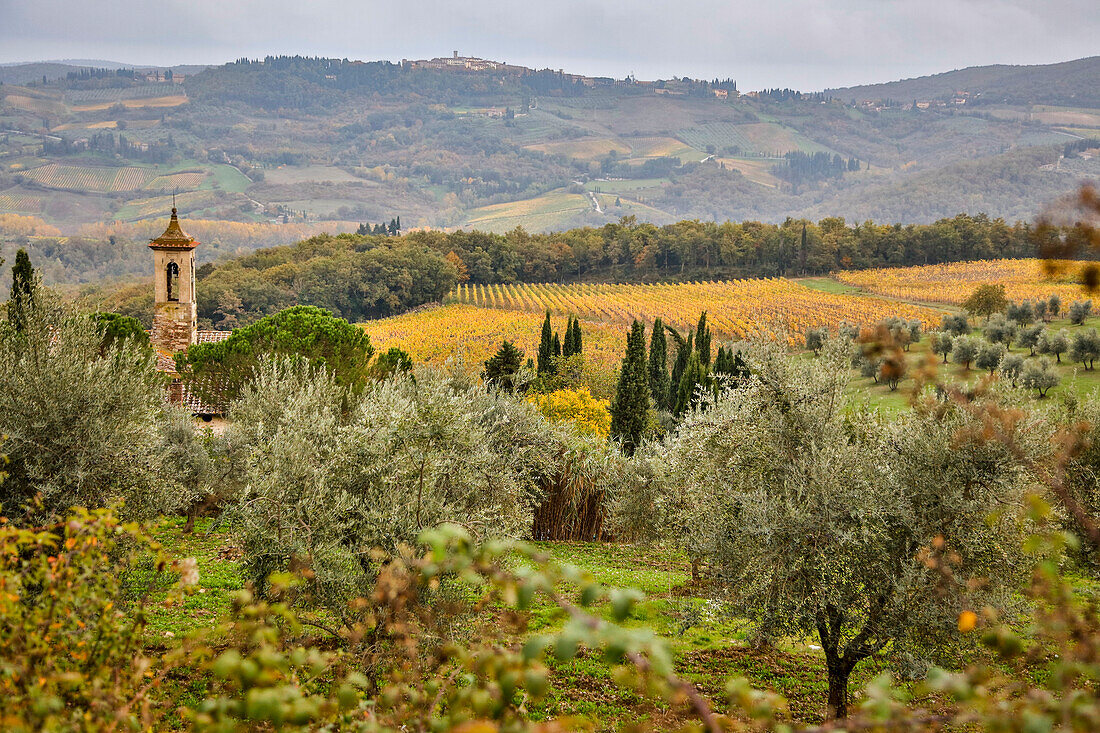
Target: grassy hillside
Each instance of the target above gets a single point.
(282, 141)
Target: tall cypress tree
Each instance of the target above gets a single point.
(702, 340)
(683, 353)
(557, 348)
(578, 346)
(546, 346)
(658, 366)
(695, 375)
(567, 342)
(22, 287)
(630, 408)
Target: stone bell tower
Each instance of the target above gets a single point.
(175, 318)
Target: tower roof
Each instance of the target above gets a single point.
(174, 237)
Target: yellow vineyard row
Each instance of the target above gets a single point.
(738, 309)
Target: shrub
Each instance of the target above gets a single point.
(1012, 366)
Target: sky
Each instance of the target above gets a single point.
(803, 44)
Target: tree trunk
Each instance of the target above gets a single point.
(838, 691)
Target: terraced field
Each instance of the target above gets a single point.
(146, 91)
(173, 100)
(89, 178)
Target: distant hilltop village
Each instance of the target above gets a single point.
(472, 63)
(722, 90)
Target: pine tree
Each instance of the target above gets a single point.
(546, 346)
(630, 408)
(501, 367)
(23, 283)
(695, 376)
(702, 340)
(658, 366)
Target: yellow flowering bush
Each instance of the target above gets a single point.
(588, 414)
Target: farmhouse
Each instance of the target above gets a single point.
(175, 311)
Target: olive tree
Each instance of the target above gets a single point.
(822, 521)
(942, 343)
(965, 350)
(990, 357)
(1056, 343)
(1040, 376)
(332, 479)
(1031, 337)
(1079, 310)
(1085, 347)
(956, 324)
(80, 419)
(1000, 330)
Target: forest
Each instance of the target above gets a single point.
(370, 276)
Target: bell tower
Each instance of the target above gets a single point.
(175, 318)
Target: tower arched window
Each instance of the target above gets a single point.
(173, 280)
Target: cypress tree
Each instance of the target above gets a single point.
(658, 366)
(578, 347)
(567, 342)
(557, 347)
(683, 353)
(630, 408)
(546, 346)
(23, 283)
(702, 340)
(695, 375)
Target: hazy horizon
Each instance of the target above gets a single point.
(796, 43)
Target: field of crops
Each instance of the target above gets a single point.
(585, 149)
(89, 178)
(534, 214)
(953, 283)
(738, 309)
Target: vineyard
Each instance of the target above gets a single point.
(953, 283)
(89, 178)
(737, 309)
(177, 181)
(20, 203)
(145, 91)
(472, 334)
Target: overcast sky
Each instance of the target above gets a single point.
(806, 44)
